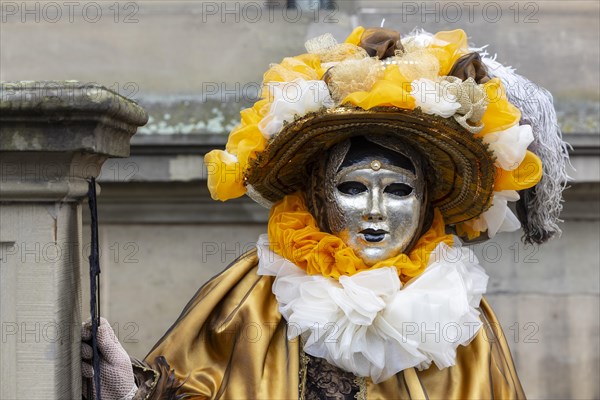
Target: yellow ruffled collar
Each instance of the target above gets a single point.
(295, 235)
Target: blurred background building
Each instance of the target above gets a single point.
(194, 64)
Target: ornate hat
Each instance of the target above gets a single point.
(433, 93)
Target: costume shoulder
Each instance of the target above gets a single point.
(230, 340)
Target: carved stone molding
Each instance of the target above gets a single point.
(55, 135)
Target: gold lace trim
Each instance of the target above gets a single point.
(304, 360)
(362, 388)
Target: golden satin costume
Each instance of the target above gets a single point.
(230, 343)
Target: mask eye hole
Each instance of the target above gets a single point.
(398, 189)
(352, 188)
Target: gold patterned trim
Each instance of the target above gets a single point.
(361, 382)
(304, 360)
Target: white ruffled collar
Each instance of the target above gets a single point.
(370, 325)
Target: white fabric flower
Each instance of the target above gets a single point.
(419, 38)
(498, 218)
(290, 99)
(433, 98)
(423, 39)
(368, 324)
(509, 146)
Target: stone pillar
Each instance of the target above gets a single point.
(53, 137)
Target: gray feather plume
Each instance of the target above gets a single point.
(539, 207)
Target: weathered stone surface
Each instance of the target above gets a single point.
(50, 116)
(40, 300)
(553, 340)
(55, 135)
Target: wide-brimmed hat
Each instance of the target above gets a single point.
(460, 167)
(431, 92)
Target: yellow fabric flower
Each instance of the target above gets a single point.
(449, 46)
(246, 139)
(295, 235)
(225, 177)
(226, 169)
(355, 36)
(393, 90)
(304, 66)
(526, 175)
(500, 113)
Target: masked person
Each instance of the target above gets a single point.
(378, 157)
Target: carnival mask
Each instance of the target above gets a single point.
(376, 202)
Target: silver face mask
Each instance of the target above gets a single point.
(374, 207)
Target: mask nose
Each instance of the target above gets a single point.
(374, 208)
